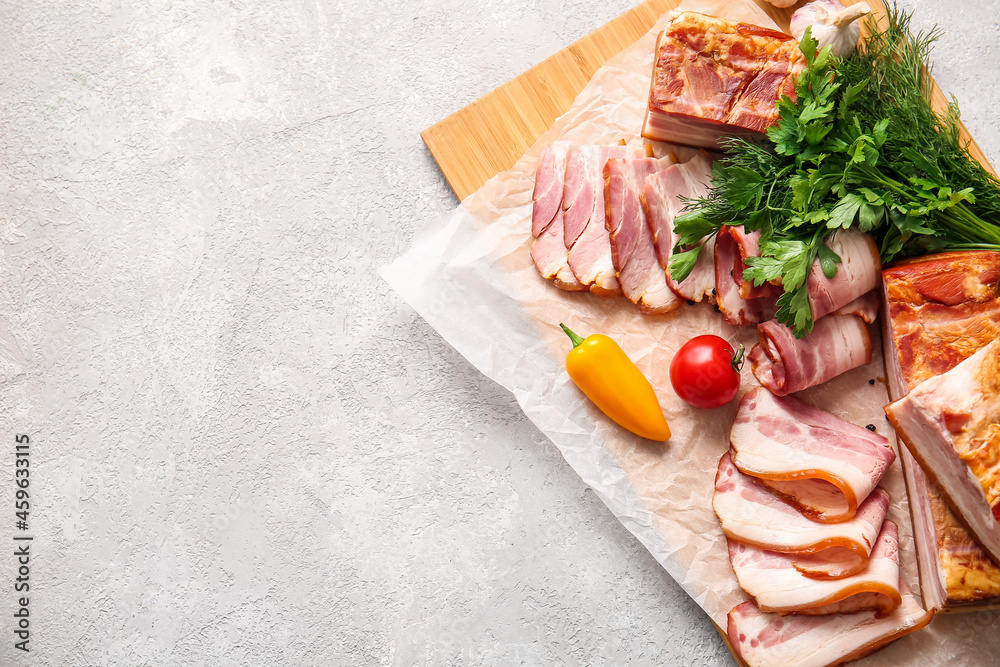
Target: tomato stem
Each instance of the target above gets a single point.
(738, 359)
(577, 341)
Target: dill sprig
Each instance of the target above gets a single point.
(860, 147)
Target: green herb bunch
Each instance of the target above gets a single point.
(860, 147)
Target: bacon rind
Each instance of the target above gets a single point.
(771, 640)
(775, 584)
(750, 512)
(782, 439)
(785, 364)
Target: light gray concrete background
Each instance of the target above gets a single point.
(246, 450)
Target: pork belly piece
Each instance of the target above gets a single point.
(858, 273)
(662, 201)
(640, 276)
(753, 514)
(548, 250)
(739, 301)
(585, 233)
(940, 310)
(786, 364)
(819, 463)
(951, 424)
(772, 580)
(713, 77)
(771, 640)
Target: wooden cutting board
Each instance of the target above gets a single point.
(488, 136)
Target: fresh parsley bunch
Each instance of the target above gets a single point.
(862, 147)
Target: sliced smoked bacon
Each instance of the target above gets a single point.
(786, 364)
(662, 201)
(774, 583)
(951, 424)
(771, 640)
(640, 276)
(821, 464)
(548, 250)
(585, 233)
(740, 301)
(713, 77)
(859, 272)
(751, 513)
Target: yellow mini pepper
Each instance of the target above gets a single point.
(602, 371)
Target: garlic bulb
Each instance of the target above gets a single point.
(832, 23)
(782, 3)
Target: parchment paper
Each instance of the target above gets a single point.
(471, 277)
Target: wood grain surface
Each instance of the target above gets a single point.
(488, 136)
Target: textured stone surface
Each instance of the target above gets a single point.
(246, 449)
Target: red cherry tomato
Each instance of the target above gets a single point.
(705, 372)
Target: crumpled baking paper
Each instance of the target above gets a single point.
(471, 277)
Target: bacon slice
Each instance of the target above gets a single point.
(585, 233)
(858, 273)
(713, 77)
(951, 424)
(819, 463)
(785, 364)
(548, 250)
(640, 276)
(739, 301)
(771, 640)
(772, 580)
(549, 180)
(661, 199)
(751, 513)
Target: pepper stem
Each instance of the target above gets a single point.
(738, 359)
(572, 336)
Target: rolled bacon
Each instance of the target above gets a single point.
(740, 301)
(821, 464)
(751, 513)
(770, 640)
(785, 364)
(773, 581)
(859, 272)
(865, 306)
